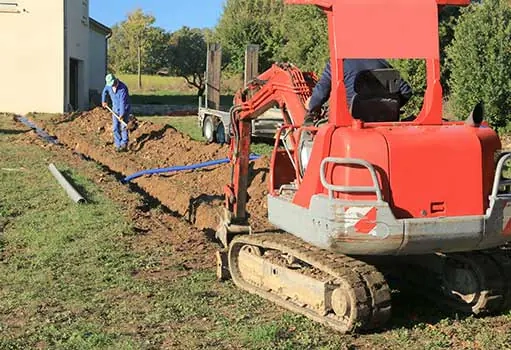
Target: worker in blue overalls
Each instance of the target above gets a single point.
(120, 97)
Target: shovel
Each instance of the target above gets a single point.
(116, 116)
(132, 125)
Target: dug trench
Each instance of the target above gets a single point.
(196, 196)
(157, 230)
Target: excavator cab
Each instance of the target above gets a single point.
(376, 96)
(376, 100)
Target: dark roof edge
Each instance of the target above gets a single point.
(100, 27)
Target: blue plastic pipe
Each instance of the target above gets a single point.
(182, 168)
(43, 134)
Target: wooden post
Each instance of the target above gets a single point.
(139, 66)
(251, 62)
(213, 68)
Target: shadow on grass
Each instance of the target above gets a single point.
(89, 197)
(411, 309)
(12, 132)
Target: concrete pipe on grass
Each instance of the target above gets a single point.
(71, 192)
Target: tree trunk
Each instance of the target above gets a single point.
(139, 66)
(200, 90)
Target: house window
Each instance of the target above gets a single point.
(9, 7)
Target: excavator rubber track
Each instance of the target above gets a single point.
(471, 283)
(502, 258)
(341, 292)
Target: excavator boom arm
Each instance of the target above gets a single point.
(284, 86)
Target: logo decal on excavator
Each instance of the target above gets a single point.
(367, 223)
(363, 220)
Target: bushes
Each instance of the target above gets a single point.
(414, 71)
(480, 61)
(476, 62)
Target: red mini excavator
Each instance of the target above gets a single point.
(364, 191)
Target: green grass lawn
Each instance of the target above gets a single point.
(155, 83)
(166, 90)
(59, 260)
(173, 98)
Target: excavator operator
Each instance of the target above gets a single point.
(321, 92)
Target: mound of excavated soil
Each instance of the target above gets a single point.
(153, 144)
(196, 195)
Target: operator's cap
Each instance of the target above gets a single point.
(110, 79)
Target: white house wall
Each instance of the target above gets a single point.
(97, 60)
(32, 56)
(77, 47)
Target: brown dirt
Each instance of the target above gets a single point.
(195, 195)
(506, 141)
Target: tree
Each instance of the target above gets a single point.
(479, 58)
(187, 56)
(119, 51)
(304, 34)
(246, 22)
(448, 18)
(157, 50)
(138, 46)
(414, 71)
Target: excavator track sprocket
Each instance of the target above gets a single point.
(341, 292)
(473, 283)
(476, 282)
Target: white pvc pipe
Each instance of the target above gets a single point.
(71, 192)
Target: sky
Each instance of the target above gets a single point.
(170, 14)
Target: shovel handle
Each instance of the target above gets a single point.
(116, 116)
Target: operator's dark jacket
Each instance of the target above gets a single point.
(352, 67)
